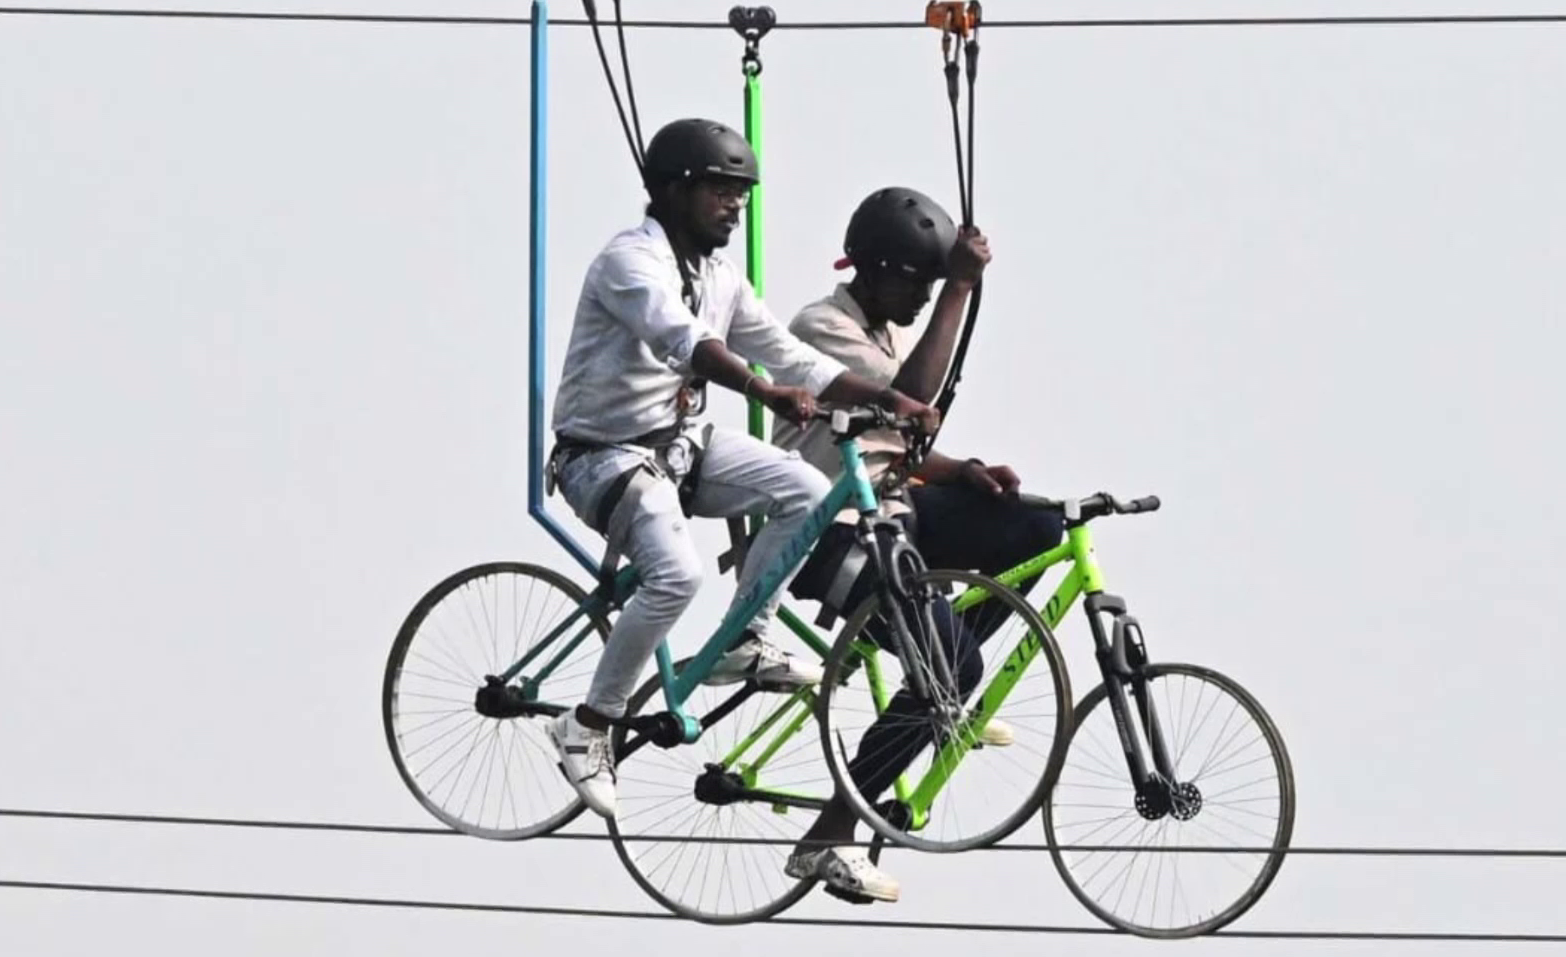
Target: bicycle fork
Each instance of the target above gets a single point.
(1122, 660)
(928, 670)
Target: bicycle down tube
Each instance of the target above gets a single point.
(852, 487)
(1082, 575)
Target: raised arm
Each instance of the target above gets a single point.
(925, 367)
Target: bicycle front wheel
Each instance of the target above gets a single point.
(489, 777)
(976, 753)
(1233, 788)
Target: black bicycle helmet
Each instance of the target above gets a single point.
(693, 148)
(900, 230)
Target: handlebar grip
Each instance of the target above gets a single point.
(1149, 503)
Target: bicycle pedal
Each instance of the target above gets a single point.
(848, 896)
(772, 687)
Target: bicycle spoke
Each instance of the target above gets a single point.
(488, 777)
(1187, 894)
(715, 875)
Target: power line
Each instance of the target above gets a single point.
(1431, 937)
(328, 826)
(815, 25)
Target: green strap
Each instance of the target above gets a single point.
(753, 270)
(751, 23)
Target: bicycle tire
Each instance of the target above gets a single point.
(791, 890)
(1048, 654)
(1286, 796)
(391, 693)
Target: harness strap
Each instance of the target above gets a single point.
(628, 487)
(623, 498)
(739, 547)
(613, 497)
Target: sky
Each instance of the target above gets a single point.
(263, 302)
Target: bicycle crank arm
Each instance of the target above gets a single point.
(785, 800)
(719, 787)
(499, 700)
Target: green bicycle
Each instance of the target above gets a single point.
(1195, 762)
(708, 813)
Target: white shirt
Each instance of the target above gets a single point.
(633, 338)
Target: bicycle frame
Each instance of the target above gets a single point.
(1082, 576)
(1120, 655)
(852, 489)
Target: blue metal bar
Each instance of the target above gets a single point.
(536, 344)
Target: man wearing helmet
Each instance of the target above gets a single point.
(661, 314)
(963, 514)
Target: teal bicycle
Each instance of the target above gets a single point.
(715, 783)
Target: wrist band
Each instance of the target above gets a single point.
(745, 389)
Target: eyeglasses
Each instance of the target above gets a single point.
(730, 190)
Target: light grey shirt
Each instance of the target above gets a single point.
(838, 327)
(633, 338)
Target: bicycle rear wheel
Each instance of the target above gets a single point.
(1234, 788)
(695, 844)
(495, 778)
(954, 799)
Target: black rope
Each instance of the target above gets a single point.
(405, 903)
(968, 52)
(329, 826)
(634, 141)
(816, 25)
(630, 90)
(639, 152)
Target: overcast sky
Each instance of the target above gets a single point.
(263, 381)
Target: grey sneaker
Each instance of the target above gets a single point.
(773, 668)
(847, 869)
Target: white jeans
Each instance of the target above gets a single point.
(740, 475)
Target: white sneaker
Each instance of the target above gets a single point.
(586, 760)
(847, 869)
(767, 664)
(996, 734)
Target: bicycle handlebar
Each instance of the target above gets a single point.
(851, 423)
(1098, 504)
(859, 420)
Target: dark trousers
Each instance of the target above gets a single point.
(956, 527)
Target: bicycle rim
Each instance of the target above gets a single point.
(1240, 773)
(989, 791)
(698, 863)
(490, 778)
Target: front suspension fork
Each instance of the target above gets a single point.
(1122, 660)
